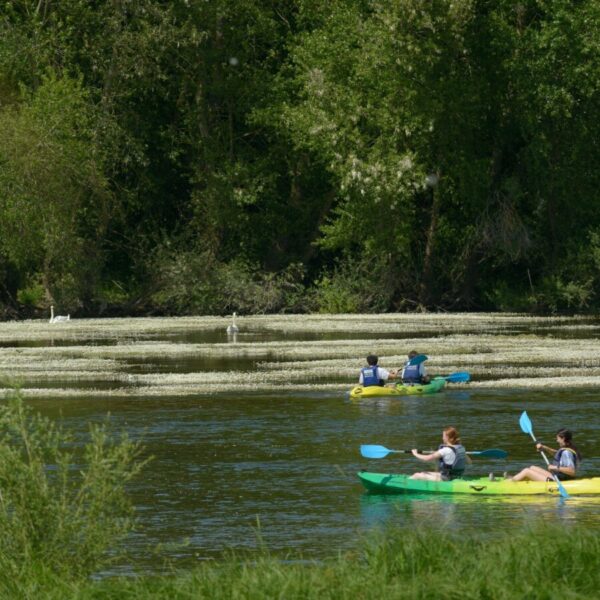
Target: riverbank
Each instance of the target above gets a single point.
(538, 564)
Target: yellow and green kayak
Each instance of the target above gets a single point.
(373, 391)
(482, 486)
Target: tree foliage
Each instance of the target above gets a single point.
(442, 152)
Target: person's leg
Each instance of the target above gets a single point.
(532, 473)
(427, 476)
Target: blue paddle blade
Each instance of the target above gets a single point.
(561, 489)
(418, 359)
(491, 453)
(460, 377)
(525, 423)
(374, 451)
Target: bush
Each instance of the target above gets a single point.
(62, 507)
(33, 295)
(197, 283)
(355, 286)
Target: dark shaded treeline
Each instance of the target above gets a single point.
(277, 155)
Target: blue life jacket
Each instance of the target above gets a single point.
(556, 459)
(411, 374)
(457, 468)
(370, 376)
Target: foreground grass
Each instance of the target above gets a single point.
(541, 563)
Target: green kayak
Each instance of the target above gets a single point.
(482, 486)
(373, 391)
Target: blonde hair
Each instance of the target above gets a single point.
(452, 435)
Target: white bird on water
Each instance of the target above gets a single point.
(58, 318)
(233, 328)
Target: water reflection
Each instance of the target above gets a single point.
(488, 515)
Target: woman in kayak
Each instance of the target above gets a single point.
(451, 456)
(563, 466)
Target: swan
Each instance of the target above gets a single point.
(233, 328)
(58, 318)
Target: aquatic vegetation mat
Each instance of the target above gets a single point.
(290, 353)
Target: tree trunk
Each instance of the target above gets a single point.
(426, 287)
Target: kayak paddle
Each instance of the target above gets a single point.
(418, 359)
(460, 377)
(374, 451)
(526, 427)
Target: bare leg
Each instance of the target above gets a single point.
(427, 476)
(532, 473)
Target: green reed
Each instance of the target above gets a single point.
(543, 563)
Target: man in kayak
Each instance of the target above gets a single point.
(373, 374)
(413, 374)
(563, 466)
(451, 456)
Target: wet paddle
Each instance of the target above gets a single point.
(418, 359)
(375, 451)
(526, 427)
(460, 377)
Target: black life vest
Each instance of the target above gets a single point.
(457, 468)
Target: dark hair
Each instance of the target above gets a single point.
(412, 354)
(567, 436)
(372, 359)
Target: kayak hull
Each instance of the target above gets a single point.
(373, 391)
(476, 486)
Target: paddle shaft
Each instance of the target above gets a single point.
(377, 451)
(432, 451)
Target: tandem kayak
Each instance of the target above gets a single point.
(372, 391)
(482, 486)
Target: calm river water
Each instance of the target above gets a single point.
(238, 472)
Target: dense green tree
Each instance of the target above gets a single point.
(54, 198)
(385, 155)
(482, 97)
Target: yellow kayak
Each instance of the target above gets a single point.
(374, 391)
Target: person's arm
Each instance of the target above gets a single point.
(544, 447)
(559, 469)
(426, 457)
(566, 466)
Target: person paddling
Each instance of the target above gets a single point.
(373, 374)
(413, 374)
(563, 466)
(451, 456)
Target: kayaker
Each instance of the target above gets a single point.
(373, 374)
(414, 374)
(451, 456)
(563, 466)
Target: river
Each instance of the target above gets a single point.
(275, 469)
